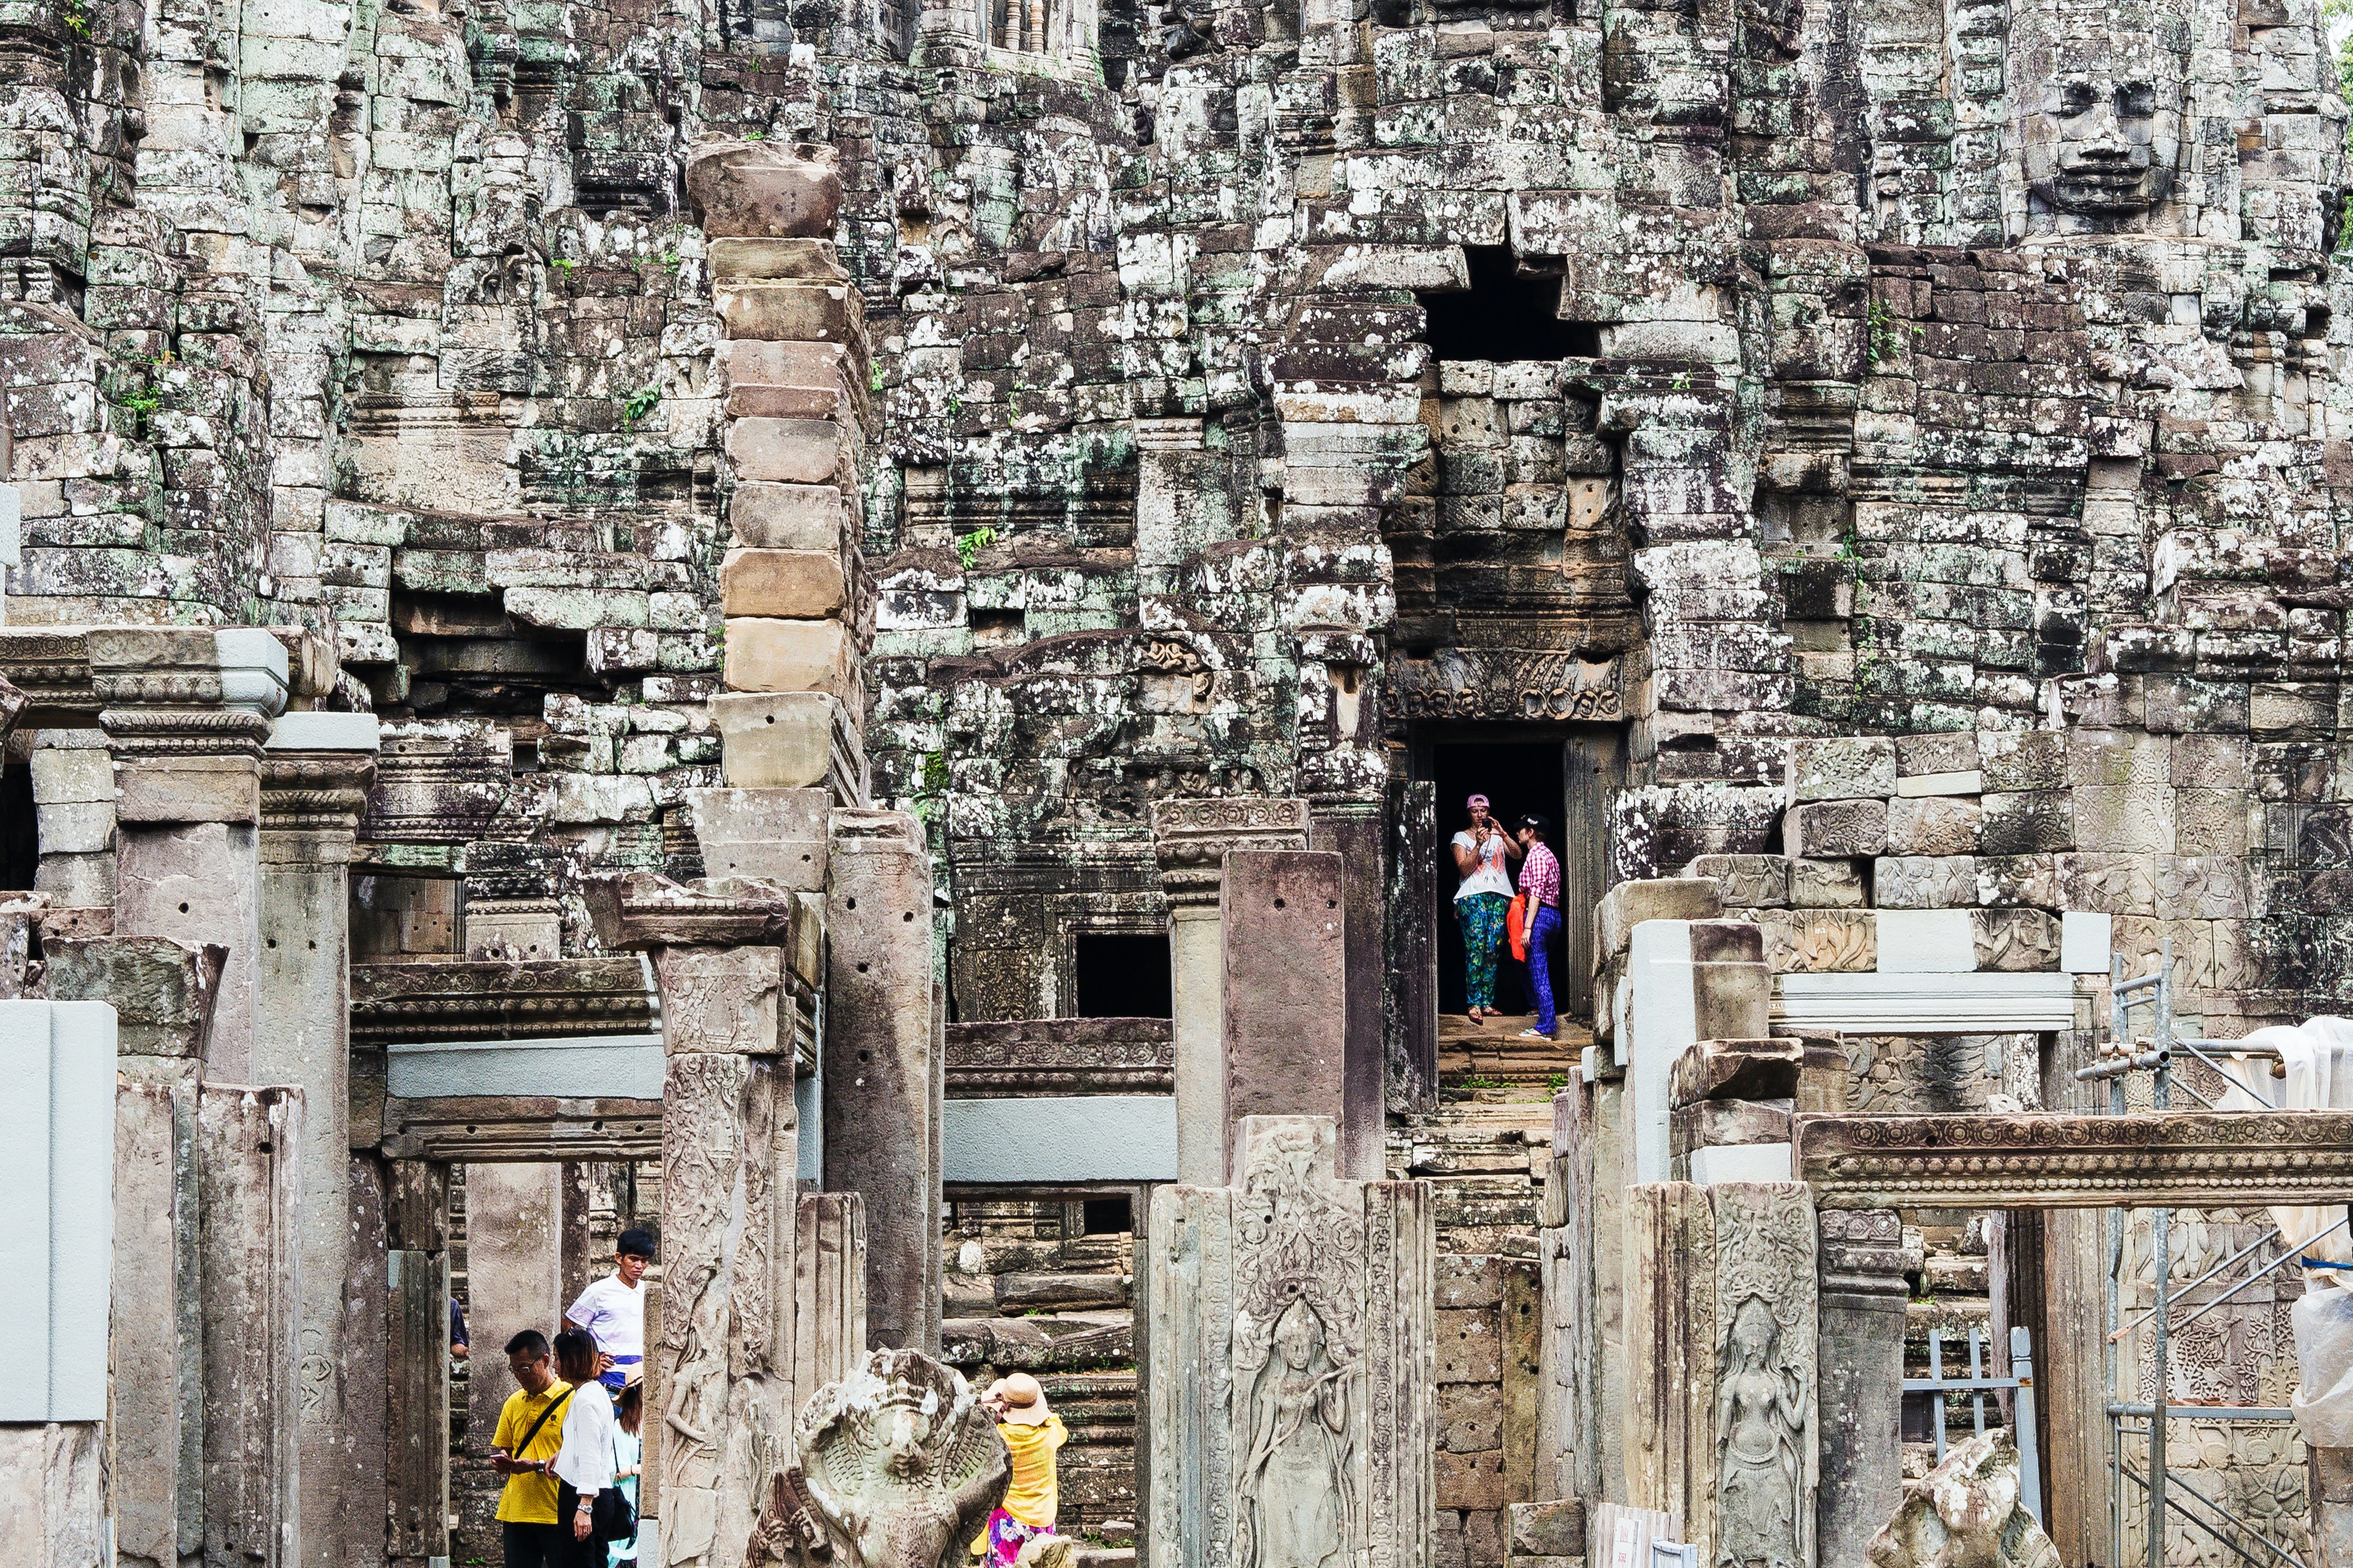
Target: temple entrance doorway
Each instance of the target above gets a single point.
(1564, 773)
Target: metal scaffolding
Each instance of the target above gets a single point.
(2162, 1491)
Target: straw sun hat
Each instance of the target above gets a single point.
(1024, 1401)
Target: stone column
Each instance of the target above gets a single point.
(1284, 989)
(721, 1373)
(1720, 1316)
(185, 713)
(1864, 1291)
(161, 992)
(415, 1471)
(1192, 837)
(1336, 1288)
(249, 1142)
(885, 1067)
(1352, 830)
(513, 1264)
(315, 773)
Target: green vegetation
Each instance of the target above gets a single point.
(639, 404)
(969, 546)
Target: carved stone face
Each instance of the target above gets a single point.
(1295, 1333)
(2101, 124)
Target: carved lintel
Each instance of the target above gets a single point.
(1192, 835)
(50, 666)
(499, 1001)
(2040, 1160)
(1507, 683)
(642, 910)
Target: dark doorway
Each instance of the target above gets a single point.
(1504, 316)
(20, 838)
(1517, 779)
(1122, 975)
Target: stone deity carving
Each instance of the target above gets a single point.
(1761, 1405)
(1292, 1362)
(1966, 1514)
(901, 1463)
(2099, 117)
(1295, 1480)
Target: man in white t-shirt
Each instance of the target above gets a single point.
(613, 1311)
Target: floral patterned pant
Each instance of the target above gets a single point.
(1480, 916)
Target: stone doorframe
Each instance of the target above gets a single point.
(1861, 1170)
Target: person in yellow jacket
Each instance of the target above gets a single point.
(1033, 1432)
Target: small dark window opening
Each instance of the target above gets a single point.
(1123, 977)
(20, 837)
(1108, 1216)
(1503, 316)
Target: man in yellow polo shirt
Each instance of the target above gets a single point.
(530, 1434)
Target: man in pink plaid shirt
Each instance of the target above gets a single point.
(1540, 879)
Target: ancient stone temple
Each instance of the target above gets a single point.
(858, 635)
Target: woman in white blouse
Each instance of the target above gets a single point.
(583, 1466)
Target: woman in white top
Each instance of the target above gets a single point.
(1481, 903)
(583, 1466)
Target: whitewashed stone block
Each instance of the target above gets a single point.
(2086, 940)
(57, 1165)
(1927, 941)
(1721, 1162)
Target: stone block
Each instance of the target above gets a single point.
(1017, 1293)
(1841, 769)
(1629, 904)
(248, 1189)
(1927, 941)
(764, 190)
(2030, 822)
(1818, 942)
(790, 656)
(1932, 825)
(1917, 785)
(792, 584)
(1470, 1346)
(2015, 941)
(1473, 1280)
(74, 882)
(516, 931)
(792, 313)
(786, 451)
(188, 790)
(787, 517)
(2022, 760)
(2085, 942)
(80, 776)
(1761, 1068)
(1947, 751)
(83, 828)
(162, 990)
(775, 834)
(1727, 1123)
(1469, 1418)
(1923, 881)
(1746, 882)
(1547, 1528)
(1285, 984)
(733, 259)
(1836, 829)
(155, 1265)
(775, 740)
(51, 1481)
(1722, 1165)
(1472, 1481)
(1825, 884)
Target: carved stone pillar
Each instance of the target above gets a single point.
(722, 1371)
(1352, 829)
(315, 773)
(1721, 1423)
(885, 1065)
(185, 713)
(1864, 1291)
(1192, 837)
(1292, 1362)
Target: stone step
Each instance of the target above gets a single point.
(1028, 1293)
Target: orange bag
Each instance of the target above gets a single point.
(1516, 921)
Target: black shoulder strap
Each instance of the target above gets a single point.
(553, 1406)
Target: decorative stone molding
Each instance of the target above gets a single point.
(315, 773)
(1507, 683)
(643, 910)
(512, 1128)
(1061, 1056)
(499, 1001)
(1192, 835)
(438, 781)
(2181, 1159)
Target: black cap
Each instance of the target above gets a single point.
(1538, 823)
(635, 1243)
